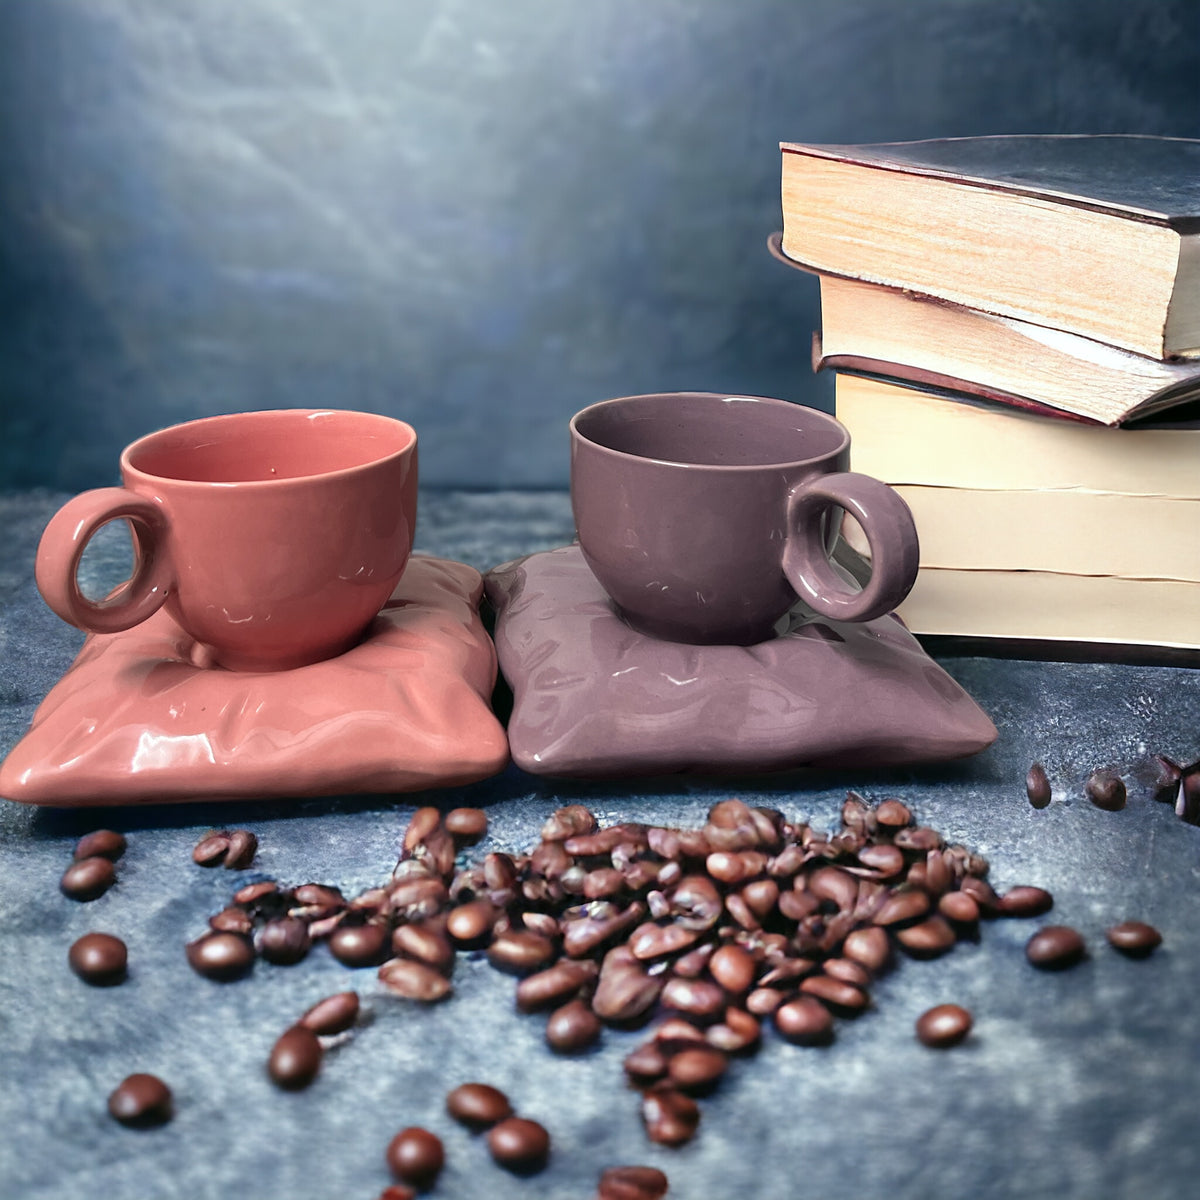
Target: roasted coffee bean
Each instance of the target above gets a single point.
(805, 1021)
(944, 1026)
(295, 1058)
(1055, 947)
(601, 923)
(99, 959)
(796, 906)
(624, 990)
(839, 995)
(284, 941)
(417, 896)
(102, 843)
(572, 821)
(928, 939)
(733, 968)
(670, 1117)
(398, 1191)
(359, 945)
(555, 985)
(424, 944)
(834, 886)
(698, 998)
(883, 858)
(892, 814)
(1134, 938)
(959, 907)
(254, 893)
(243, 846)
(692, 964)
(221, 956)
(632, 1183)
(763, 1001)
(88, 878)
(939, 875)
(983, 894)
(1105, 790)
(422, 825)
(470, 924)
(848, 971)
(211, 849)
(519, 1144)
(521, 952)
(738, 1031)
(603, 841)
(335, 1014)
(466, 825)
(1037, 786)
(787, 971)
(1025, 901)
(901, 907)
(414, 980)
(650, 940)
(321, 901)
(603, 883)
(741, 912)
(232, 920)
(141, 1101)
(1187, 799)
(696, 1068)
(572, 1028)
(647, 1063)
(761, 897)
(416, 1156)
(920, 838)
(478, 1105)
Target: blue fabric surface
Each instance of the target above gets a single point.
(1074, 1085)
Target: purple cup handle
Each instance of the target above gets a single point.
(888, 525)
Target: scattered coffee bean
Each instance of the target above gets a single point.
(221, 956)
(670, 1117)
(398, 1191)
(927, 939)
(284, 941)
(893, 814)
(414, 980)
(1037, 786)
(1026, 901)
(572, 1028)
(632, 1183)
(295, 1058)
(1187, 800)
(805, 1021)
(870, 947)
(243, 846)
(696, 1068)
(211, 849)
(425, 944)
(141, 1101)
(478, 1105)
(470, 924)
(466, 825)
(943, 1026)
(1135, 939)
(254, 893)
(416, 1156)
(99, 959)
(733, 968)
(102, 843)
(700, 999)
(1055, 947)
(359, 945)
(232, 920)
(840, 996)
(519, 1144)
(520, 952)
(960, 907)
(901, 907)
(88, 878)
(555, 985)
(335, 1014)
(1105, 790)
(763, 1001)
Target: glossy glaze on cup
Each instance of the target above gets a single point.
(273, 538)
(704, 516)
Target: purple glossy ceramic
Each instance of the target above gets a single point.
(705, 516)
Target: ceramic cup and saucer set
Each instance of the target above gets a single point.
(278, 638)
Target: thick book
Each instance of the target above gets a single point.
(905, 434)
(1097, 235)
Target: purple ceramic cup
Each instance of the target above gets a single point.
(706, 516)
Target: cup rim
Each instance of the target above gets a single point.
(129, 467)
(733, 468)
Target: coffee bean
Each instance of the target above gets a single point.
(1135, 939)
(848, 971)
(944, 1026)
(254, 893)
(839, 995)
(414, 980)
(835, 886)
(141, 1101)
(295, 1058)
(284, 941)
(320, 899)
(738, 1031)
(675, 1034)
(359, 945)
(892, 814)
(102, 843)
(650, 941)
(211, 849)
(555, 985)
(693, 964)
(519, 1144)
(632, 1183)
(1026, 901)
(221, 956)
(88, 878)
(869, 947)
(398, 1191)
(928, 939)
(805, 1021)
(959, 907)
(624, 990)
(416, 1156)
(763, 1001)
(882, 858)
(470, 924)
(466, 825)
(697, 997)
(99, 959)
(1055, 947)
(901, 907)
(425, 944)
(520, 952)
(733, 968)
(478, 1105)
(647, 1063)
(670, 1117)
(232, 920)
(1105, 790)
(696, 1069)
(572, 1028)
(568, 822)
(983, 894)
(335, 1014)
(1037, 786)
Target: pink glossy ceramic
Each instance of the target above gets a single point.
(273, 538)
(134, 721)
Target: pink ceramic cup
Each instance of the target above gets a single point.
(273, 538)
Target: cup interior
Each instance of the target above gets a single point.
(269, 446)
(709, 429)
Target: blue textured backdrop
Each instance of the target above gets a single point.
(480, 216)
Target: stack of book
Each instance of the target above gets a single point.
(1015, 323)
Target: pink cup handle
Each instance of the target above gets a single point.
(66, 538)
(888, 524)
